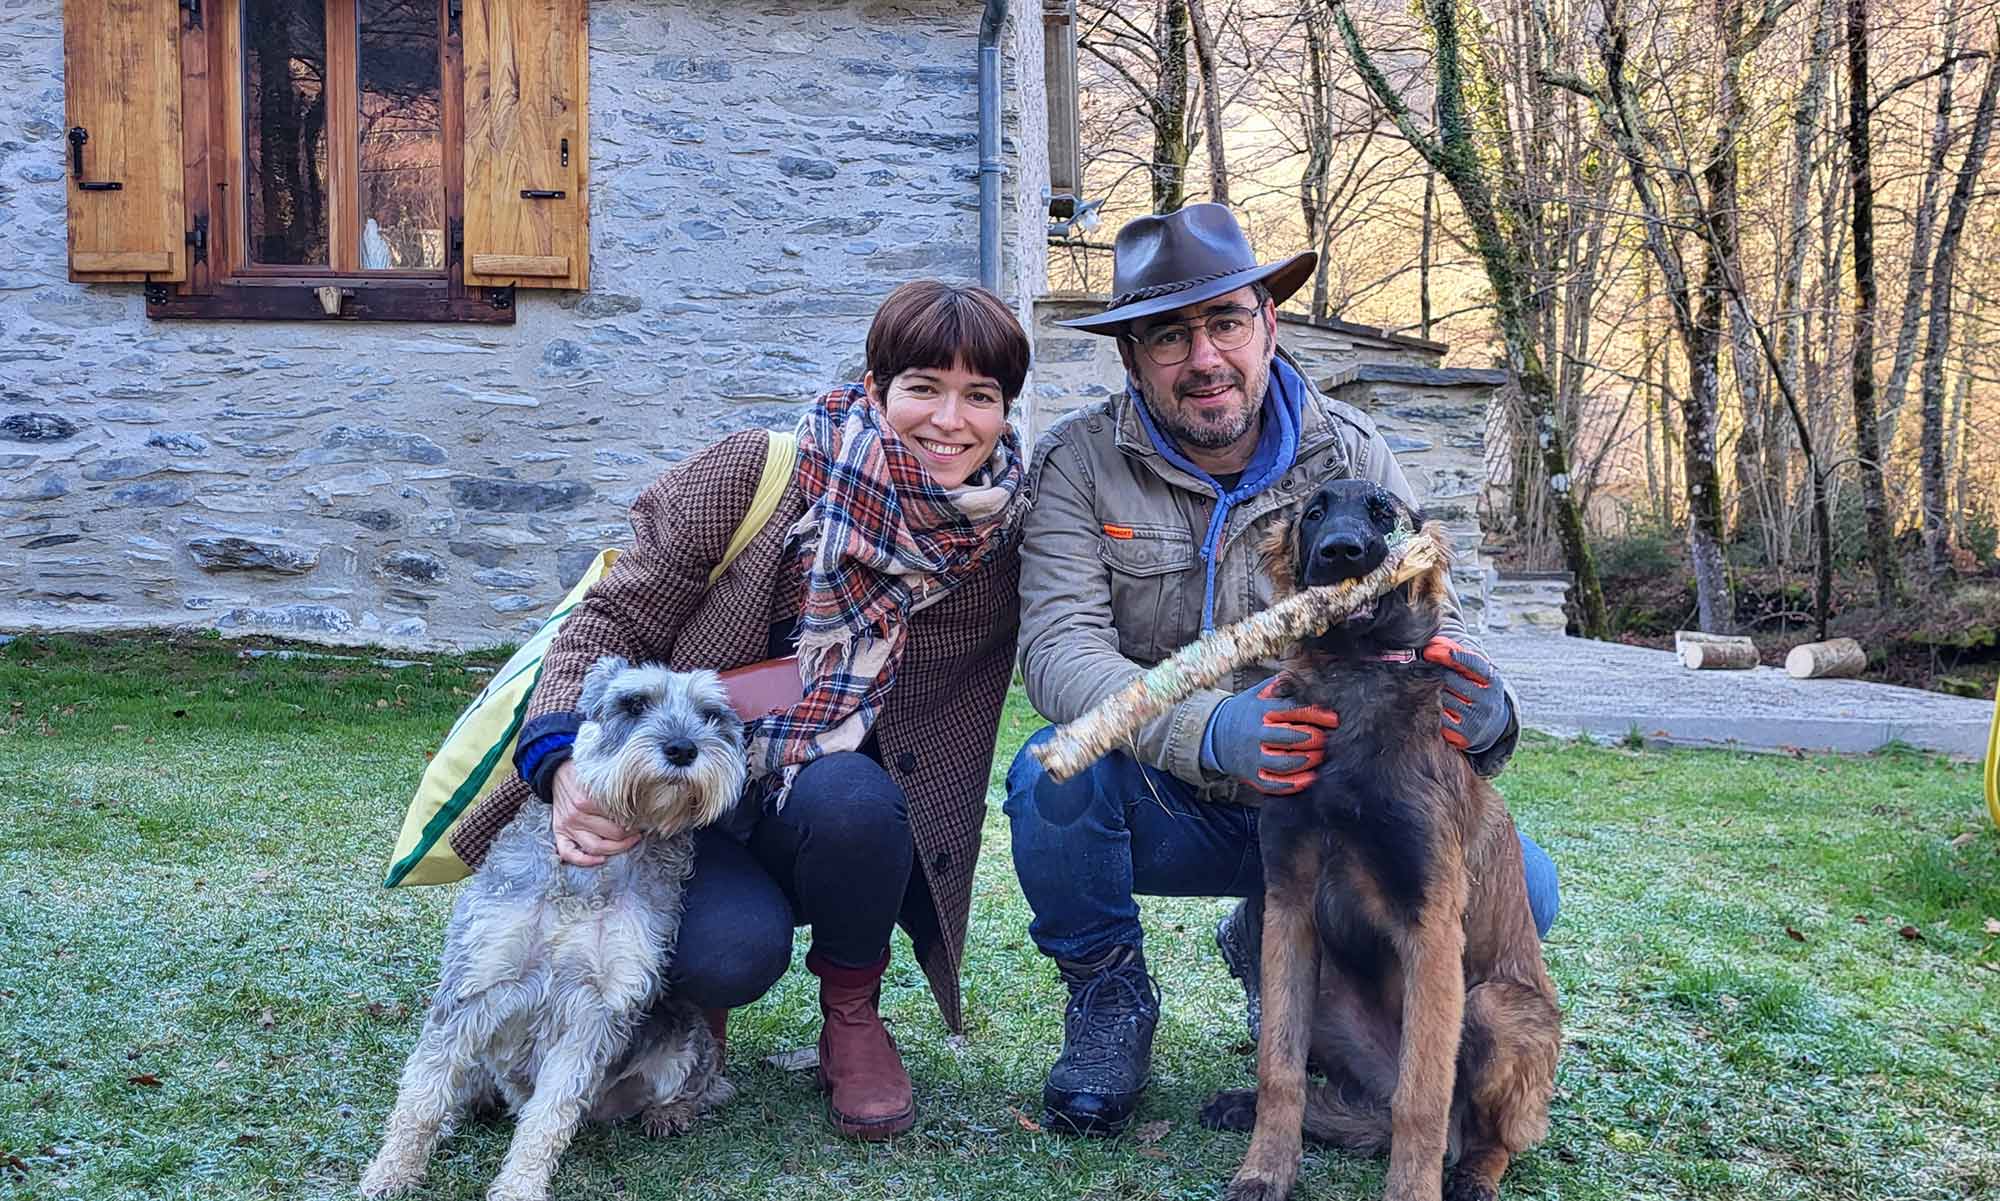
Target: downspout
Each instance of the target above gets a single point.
(989, 143)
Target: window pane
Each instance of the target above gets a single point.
(402, 136)
(284, 102)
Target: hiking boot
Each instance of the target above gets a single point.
(1239, 936)
(868, 1094)
(1107, 1043)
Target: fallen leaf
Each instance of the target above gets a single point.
(147, 1080)
(1153, 1153)
(794, 1061)
(17, 1163)
(1993, 925)
(1627, 1140)
(1964, 840)
(1152, 1132)
(1794, 935)
(1911, 933)
(266, 1020)
(247, 1140)
(1027, 1123)
(1861, 919)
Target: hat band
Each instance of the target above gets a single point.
(1138, 294)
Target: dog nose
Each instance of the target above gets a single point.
(1343, 550)
(680, 752)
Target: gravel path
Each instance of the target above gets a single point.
(1570, 686)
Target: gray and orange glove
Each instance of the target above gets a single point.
(1475, 704)
(1273, 743)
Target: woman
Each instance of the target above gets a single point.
(891, 565)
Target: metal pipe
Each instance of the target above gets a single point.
(989, 143)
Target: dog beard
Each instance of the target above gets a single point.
(634, 786)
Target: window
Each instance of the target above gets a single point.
(315, 159)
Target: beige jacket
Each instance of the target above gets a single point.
(1111, 576)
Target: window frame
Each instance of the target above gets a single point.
(222, 283)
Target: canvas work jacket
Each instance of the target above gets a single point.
(935, 731)
(1112, 577)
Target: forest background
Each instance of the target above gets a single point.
(1737, 256)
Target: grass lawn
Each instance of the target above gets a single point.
(1779, 977)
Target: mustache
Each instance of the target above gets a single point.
(1207, 380)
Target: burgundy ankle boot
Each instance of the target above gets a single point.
(868, 1092)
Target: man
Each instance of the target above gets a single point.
(1149, 510)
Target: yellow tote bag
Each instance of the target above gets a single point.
(1993, 762)
(479, 751)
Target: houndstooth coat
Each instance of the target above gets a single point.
(936, 729)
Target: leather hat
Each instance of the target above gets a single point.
(1166, 261)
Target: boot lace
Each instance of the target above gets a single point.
(1105, 1010)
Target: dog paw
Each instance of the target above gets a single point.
(386, 1181)
(1464, 1186)
(666, 1121)
(1256, 1188)
(1231, 1109)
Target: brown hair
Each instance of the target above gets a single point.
(928, 323)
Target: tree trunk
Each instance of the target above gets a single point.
(1169, 107)
(1923, 226)
(1453, 155)
(1314, 203)
(1424, 252)
(1867, 445)
(1211, 102)
(1937, 337)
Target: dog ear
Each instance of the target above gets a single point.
(1432, 584)
(1276, 559)
(596, 682)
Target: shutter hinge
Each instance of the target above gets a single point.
(193, 9)
(501, 298)
(453, 10)
(457, 238)
(198, 238)
(159, 293)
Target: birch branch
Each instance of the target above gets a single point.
(1268, 635)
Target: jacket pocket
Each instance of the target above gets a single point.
(1155, 589)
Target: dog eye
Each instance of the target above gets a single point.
(633, 705)
(1315, 511)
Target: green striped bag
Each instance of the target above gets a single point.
(479, 751)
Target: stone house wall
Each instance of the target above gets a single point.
(761, 177)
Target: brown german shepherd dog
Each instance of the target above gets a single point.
(1399, 952)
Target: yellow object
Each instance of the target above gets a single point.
(1993, 762)
(479, 751)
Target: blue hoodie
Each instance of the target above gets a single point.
(1277, 445)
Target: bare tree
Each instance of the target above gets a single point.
(1452, 152)
(1867, 445)
(1937, 336)
(1211, 102)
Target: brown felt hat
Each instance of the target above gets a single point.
(1169, 260)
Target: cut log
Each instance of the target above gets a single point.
(1719, 656)
(1826, 660)
(1683, 637)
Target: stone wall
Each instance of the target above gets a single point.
(762, 175)
(1433, 418)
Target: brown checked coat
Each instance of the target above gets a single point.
(936, 731)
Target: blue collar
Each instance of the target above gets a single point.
(1278, 426)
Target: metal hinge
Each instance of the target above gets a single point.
(501, 298)
(198, 238)
(457, 239)
(159, 293)
(454, 11)
(193, 9)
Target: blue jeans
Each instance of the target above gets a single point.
(1083, 850)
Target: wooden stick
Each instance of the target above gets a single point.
(1114, 720)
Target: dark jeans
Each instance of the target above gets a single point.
(837, 858)
(1083, 850)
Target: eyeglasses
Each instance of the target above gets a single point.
(1227, 329)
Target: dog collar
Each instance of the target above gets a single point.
(1405, 655)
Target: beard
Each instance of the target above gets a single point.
(1177, 419)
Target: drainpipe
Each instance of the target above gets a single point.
(989, 143)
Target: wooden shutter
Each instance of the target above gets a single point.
(122, 94)
(1059, 76)
(527, 154)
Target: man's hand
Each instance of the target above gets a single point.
(1475, 705)
(584, 836)
(1269, 741)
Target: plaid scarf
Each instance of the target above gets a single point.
(880, 541)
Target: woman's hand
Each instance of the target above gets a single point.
(584, 836)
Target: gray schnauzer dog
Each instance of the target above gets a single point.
(553, 1000)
